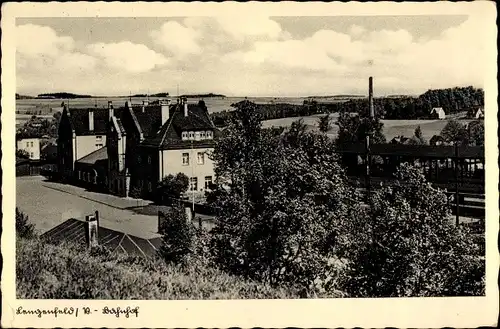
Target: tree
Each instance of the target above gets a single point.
(22, 154)
(476, 132)
(280, 197)
(352, 130)
(24, 229)
(172, 187)
(177, 236)
(324, 123)
(407, 245)
(455, 131)
(418, 138)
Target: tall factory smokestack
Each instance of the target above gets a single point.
(370, 97)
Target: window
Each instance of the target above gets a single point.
(194, 183)
(98, 146)
(201, 158)
(149, 159)
(98, 138)
(31, 155)
(209, 135)
(150, 187)
(31, 144)
(208, 182)
(27, 144)
(191, 135)
(202, 135)
(184, 135)
(185, 159)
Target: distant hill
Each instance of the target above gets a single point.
(62, 95)
(23, 97)
(203, 95)
(152, 95)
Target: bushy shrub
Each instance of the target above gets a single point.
(172, 187)
(407, 245)
(177, 236)
(24, 229)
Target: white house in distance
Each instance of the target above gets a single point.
(31, 146)
(479, 113)
(438, 113)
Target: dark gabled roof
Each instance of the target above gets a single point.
(170, 134)
(120, 126)
(94, 157)
(149, 120)
(79, 118)
(73, 230)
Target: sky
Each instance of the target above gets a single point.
(249, 56)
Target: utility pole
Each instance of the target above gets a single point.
(367, 141)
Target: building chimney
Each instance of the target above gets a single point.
(92, 230)
(370, 97)
(165, 111)
(185, 109)
(91, 119)
(110, 109)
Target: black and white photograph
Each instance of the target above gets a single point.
(233, 155)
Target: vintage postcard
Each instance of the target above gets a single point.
(249, 165)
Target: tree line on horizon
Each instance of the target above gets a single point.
(452, 100)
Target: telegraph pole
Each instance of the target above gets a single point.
(367, 141)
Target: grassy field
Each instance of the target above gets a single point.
(392, 128)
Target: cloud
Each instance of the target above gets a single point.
(127, 56)
(35, 40)
(249, 26)
(39, 49)
(255, 56)
(456, 57)
(356, 30)
(177, 39)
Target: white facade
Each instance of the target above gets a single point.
(194, 163)
(439, 113)
(84, 145)
(31, 146)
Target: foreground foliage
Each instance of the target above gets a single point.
(279, 200)
(407, 245)
(68, 271)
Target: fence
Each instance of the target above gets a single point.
(460, 168)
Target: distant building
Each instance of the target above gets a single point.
(141, 144)
(31, 145)
(81, 132)
(438, 113)
(182, 145)
(479, 113)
